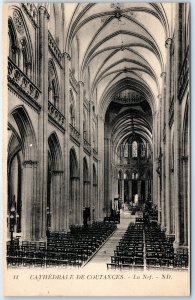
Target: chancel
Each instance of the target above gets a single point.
(98, 134)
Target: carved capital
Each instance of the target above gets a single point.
(81, 83)
(163, 75)
(43, 10)
(30, 163)
(168, 43)
(67, 55)
(57, 172)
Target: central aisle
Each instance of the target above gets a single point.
(102, 257)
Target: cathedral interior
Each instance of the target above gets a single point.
(98, 133)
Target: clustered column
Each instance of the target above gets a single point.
(80, 196)
(163, 224)
(29, 197)
(66, 63)
(167, 147)
(43, 119)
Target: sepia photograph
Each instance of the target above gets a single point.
(97, 159)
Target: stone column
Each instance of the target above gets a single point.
(139, 190)
(159, 170)
(168, 138)
(43, 121)
(93, 204)
(177, 138)
(66, 199)
(185, 199)
(122, 190)
(101, 188)
(130, 189)
(57, 213)
(29, 200)
(107, 169)
(163, 220)
(146, 190)
(80, 196)
(78, 209)
(155, 157)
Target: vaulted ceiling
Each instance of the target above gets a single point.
(121, 45)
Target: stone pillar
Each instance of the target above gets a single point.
(80, 196)
(43, 121)
(29, 201)
(146, 190)
(163, 219)
(95, 208)
(130, 189)
(74, 202)
(159, 164)
(107, 171)
(168, 138)
(101, 170)
(177, 138)
(122, 190)
(155, 157)
(185, 199)
(66, 199)
(93, 202)
(78, 209)
(57, 213)
(139, 190)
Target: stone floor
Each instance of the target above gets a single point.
(102, 257)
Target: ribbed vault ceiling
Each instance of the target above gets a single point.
(121, 47)
(120, 43)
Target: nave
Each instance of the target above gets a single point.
(138, 244)
(135, 243)
(98, 123)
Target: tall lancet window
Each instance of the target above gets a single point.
(143, 152)
(134, 149)
(126, 150)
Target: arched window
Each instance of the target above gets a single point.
(126, 148)
(53, 84)
(143, 150)
(72, 114)
(26, 60)
(134, 175)
(134, 149)
(72, 110)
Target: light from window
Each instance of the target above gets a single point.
(126, 150)
(134, 149)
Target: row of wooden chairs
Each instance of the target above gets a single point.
(129, 252)
(64, 249)
(159, 249)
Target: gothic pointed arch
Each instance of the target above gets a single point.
(13, 41)
(23, 56)
(22, 171)
(95, 178)
(55, 152)
(74, 169)
(72, 109)
(85, 170)
(54, 183)
(27, 133)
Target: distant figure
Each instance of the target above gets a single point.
(136, 199)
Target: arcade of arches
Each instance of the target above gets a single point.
(98, 111)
